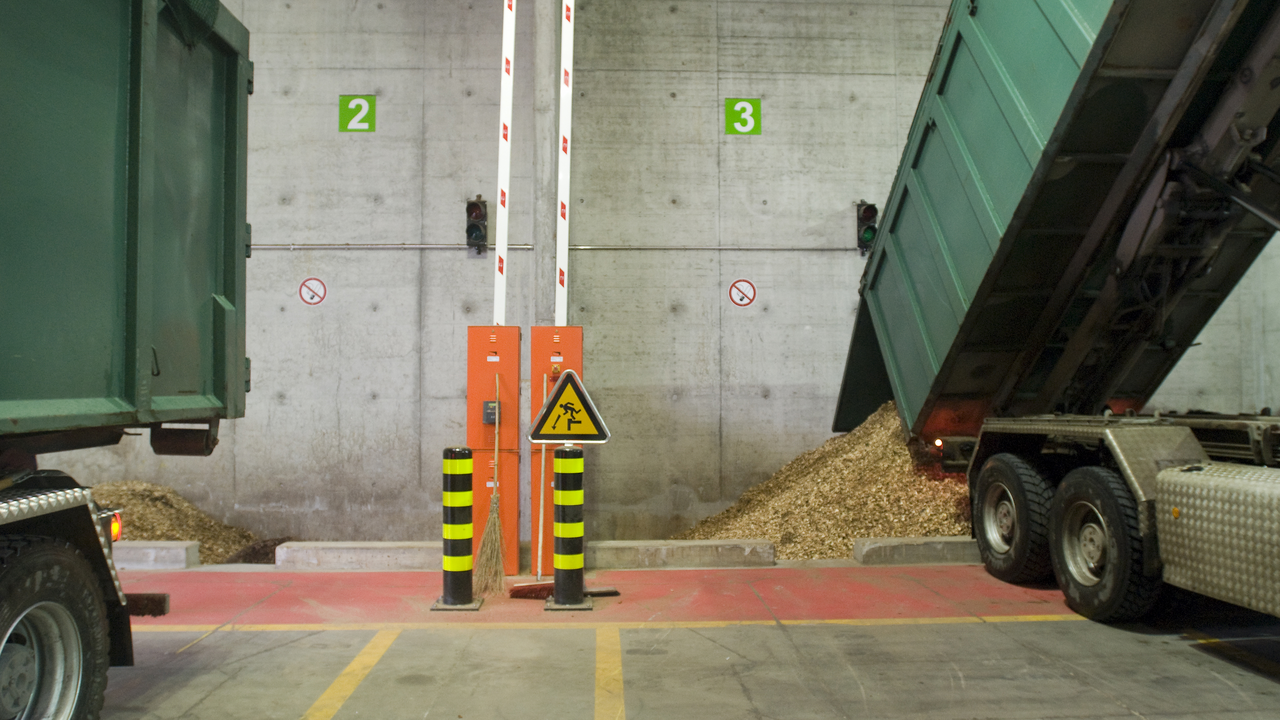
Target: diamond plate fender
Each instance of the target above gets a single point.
(17, 504)
(1219, 527)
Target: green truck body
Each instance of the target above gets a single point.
(1006, 278)
(1083, 185)
(122, 288)
(122, 217)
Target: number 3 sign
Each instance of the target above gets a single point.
(742, 116)
(356, 113)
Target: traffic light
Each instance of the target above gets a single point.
(477, 225)
(867, 214)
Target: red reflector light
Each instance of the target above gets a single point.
(117, 527)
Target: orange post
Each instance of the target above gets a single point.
(553, 349)
(493, 370)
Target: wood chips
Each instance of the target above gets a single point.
(860, 485)
(155, 512)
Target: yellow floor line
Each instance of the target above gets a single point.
(609, 700)
(961, 620)
(1240, 655)
(658, 625)
(193, 642)
(137, 628)
(333, 698)
(1031, 618)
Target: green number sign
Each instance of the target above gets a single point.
(742, 116)
(356, 113)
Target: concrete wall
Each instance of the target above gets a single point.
(705, 398)
(354, 399)
(1235, 368)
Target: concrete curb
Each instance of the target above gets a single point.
(155, 554)
(358, 556)
(916, 551)
(599, 555)
(622, 554)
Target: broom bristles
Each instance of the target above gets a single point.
(532, 591)
(487, 577)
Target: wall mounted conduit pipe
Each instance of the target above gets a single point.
(461, 246)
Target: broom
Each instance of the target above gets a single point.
(487, 577)
(538, 590)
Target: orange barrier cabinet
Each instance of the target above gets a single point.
(553, 349)
(493, 432)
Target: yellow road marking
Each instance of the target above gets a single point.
(1031, 618)
(961, 620)
(1240, 655)
(609, 701)
(193, 642)
(657, 625)
(333, 698)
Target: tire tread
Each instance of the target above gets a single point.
(1141, 592)
(15, 547)
(1037, 565)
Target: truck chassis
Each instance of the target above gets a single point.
(1115, 506)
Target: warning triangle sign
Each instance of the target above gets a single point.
(568, 415)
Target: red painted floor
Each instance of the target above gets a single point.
(205, 598)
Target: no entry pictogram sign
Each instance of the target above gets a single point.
(742, 292)
(312, 291)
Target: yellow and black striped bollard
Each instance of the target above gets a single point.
(567, 557)
(456, 549)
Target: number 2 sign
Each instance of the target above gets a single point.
(356, 113)
(742, 116)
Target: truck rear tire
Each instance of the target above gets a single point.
(1011, 515)
(54, 659)
(1097, 549)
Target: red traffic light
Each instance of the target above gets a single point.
(477, 224)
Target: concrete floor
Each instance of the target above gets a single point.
(829, 642)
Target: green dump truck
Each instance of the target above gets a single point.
(122, 283)
(1084, 183)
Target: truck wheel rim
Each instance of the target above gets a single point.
(40, 665)
(999, 518)
(1085, 540)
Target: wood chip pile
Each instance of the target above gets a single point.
(859, 485)
(259, 552)
(156, 512)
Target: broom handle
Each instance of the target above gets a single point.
(497, 430)
(542, 487)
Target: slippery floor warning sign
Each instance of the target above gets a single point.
(568, 415)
